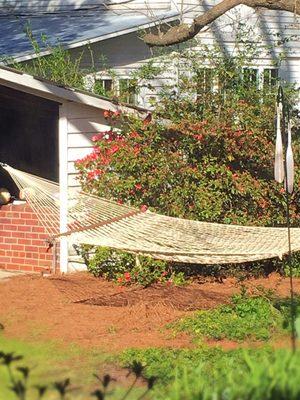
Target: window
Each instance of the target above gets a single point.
(128, 90)
(270, 77)
(250, 76)
(103, 87)
(205, 81)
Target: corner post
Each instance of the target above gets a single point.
(63, 185)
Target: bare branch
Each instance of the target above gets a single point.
(183, 32)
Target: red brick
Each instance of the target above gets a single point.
(17, 247)
(5, 234)
(16, 260)
(38, 229)
(5, 260)
(18, 221)
(5, 220)
(44, 236)
(37, 242)
(32, 261)
(26, 215)
(32, 235)
(33, 249)
(14, 266)
(24, 228)
(32, 222)
(25, 241)
(19, 234)
(10, 240)
(5, 246)
(13, 215)
(11, 227)
(27, 268)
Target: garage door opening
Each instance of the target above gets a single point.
(28, 136)
(29, 142)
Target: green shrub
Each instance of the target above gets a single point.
(253, 318)
(126, 268)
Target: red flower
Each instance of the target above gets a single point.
(143, 208)
(97, 137)
(134, 135)
(107, 114)
(138, 186)
(127, 276)
(120, 201)
(198, 137)
(136, 149)
(113, 149)
(282, 190)
(94, 174)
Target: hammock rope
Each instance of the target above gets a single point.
(100, 222)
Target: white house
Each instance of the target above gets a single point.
(112, 29)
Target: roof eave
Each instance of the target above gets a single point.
(49, 90)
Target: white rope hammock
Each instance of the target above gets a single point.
(100, 222)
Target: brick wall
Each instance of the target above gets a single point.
(22, 240)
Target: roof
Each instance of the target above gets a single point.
(72, 29)
(15, 79)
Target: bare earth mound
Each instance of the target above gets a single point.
(91, 312)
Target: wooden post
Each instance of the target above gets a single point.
(63, 185)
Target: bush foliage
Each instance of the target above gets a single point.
(211, 160)
(206, 154)
(126, 269)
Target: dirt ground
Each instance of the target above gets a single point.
(91, 312)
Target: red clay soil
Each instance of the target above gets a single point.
(91, 312)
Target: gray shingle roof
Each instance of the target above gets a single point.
(68, 29)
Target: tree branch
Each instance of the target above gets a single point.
(183, 32)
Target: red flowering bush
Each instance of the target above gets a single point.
(207, 156)
(211, 169)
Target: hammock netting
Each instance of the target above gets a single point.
(101, 222)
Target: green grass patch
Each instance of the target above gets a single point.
(213, 374)
(245, 318)
(50, 362)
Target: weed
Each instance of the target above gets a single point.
(253, 318)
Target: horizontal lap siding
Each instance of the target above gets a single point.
(13, 6)
(265, 23)
(83, 123)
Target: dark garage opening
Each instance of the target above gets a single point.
(28, 135)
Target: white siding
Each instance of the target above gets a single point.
(128, 52)
(83, 123)
(42, 6)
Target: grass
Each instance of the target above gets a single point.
(245, 318)
(213, 374)
(51, 362)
